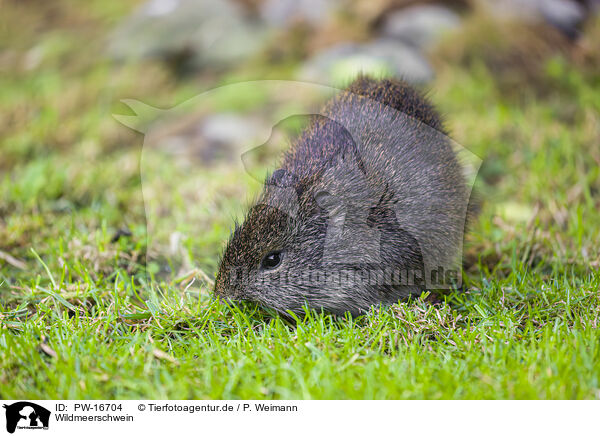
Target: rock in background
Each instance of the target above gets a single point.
(565, 15)
(420, 26)
(382, 57)
(195, 34)
(284, 13)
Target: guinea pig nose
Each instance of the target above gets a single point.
(221, 285)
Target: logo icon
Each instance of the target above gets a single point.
(26, 415)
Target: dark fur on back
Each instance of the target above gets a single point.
(400, 96)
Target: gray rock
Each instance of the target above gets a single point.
(420, 26)
(229, 129)
(220, 136)
(280, 13)
(209, 33)
(566, 15)
(384, 57)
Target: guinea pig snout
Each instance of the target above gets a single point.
(229, 286)
(222, 286)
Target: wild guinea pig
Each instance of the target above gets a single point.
(368, 207)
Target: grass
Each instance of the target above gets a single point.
(80, 319)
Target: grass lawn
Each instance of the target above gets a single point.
(79, 319)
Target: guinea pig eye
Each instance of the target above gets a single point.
(272, 260)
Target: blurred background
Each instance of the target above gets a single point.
(518, 83)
